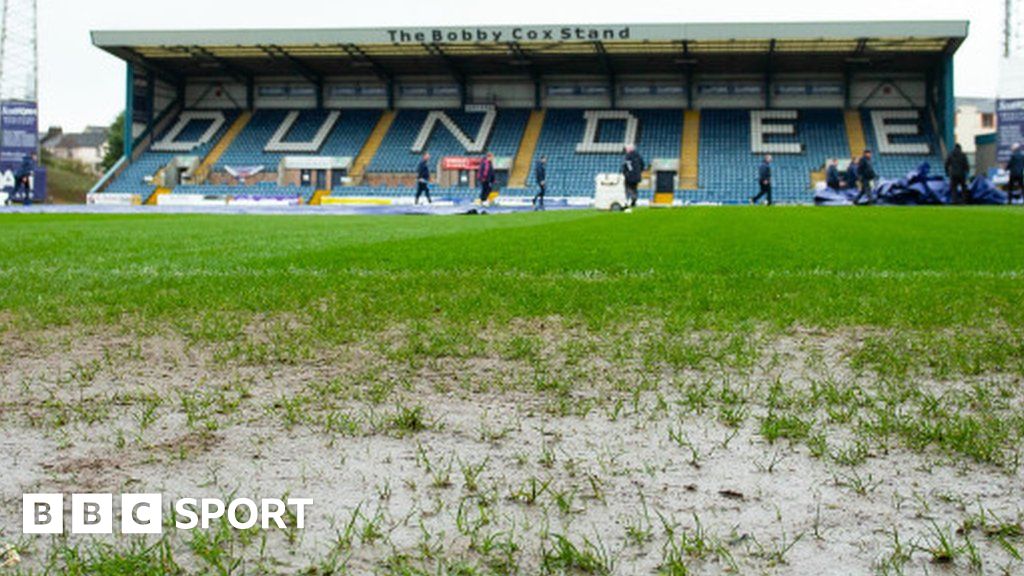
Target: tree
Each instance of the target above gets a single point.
(115, 143)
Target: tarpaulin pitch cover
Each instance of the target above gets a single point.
(917, 188)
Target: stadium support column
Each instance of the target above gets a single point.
(847, 87)
(150, 98)
(129, 112)
(250, 93)
(689, 87)
(948, 102)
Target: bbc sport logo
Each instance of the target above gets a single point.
(144, 513)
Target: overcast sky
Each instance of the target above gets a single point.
(80, 85)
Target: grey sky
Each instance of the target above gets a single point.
(81, 85)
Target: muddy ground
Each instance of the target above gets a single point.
(540, 449)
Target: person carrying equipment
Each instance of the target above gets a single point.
(633, 169)
(486, 177)
(850, 176)
(23, 179)
(542, 183)
(866, 174)
(423, 179)
(764, 180)
(1016, 169)
(957, 169)
(832, 175)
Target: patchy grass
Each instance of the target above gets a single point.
(530, 394)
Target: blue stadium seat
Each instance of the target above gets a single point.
(894, 166)
(346, 139)
(728, 167)
(132, 179)
(396, 155)
(572, 174)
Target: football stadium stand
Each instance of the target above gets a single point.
(186, 136)
(910, 140)
(344, 137)
(571, 170)
(728, 161)
(363, 105)
(468, 133)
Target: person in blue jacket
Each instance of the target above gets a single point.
(1016, 169)
(850, 176)
(866, 173)
(832, 175)
(486, 177)
(23, 179)
(633, 167)
(764, 181)
(958, 168)
(541, 174)
(423, 179)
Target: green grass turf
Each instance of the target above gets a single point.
(697, 267)
(948, 282)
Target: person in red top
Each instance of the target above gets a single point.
(486, 177)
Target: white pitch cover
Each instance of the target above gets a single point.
(168, 143)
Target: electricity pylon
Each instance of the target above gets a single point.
(19, 54)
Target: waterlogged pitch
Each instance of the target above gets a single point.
(696, 391)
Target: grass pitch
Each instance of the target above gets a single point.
(918, 268)
(721, 390)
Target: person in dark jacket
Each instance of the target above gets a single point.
(633, 169)
(957, 169)
(486, 177)
(764, 181)
(23, 179)
(423, 179)
(850, 176)
(1016, 169)
(866, 174)
(832, 175)
(541, 174)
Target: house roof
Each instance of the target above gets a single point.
(87, 139)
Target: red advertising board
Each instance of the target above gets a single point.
(460, 163)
